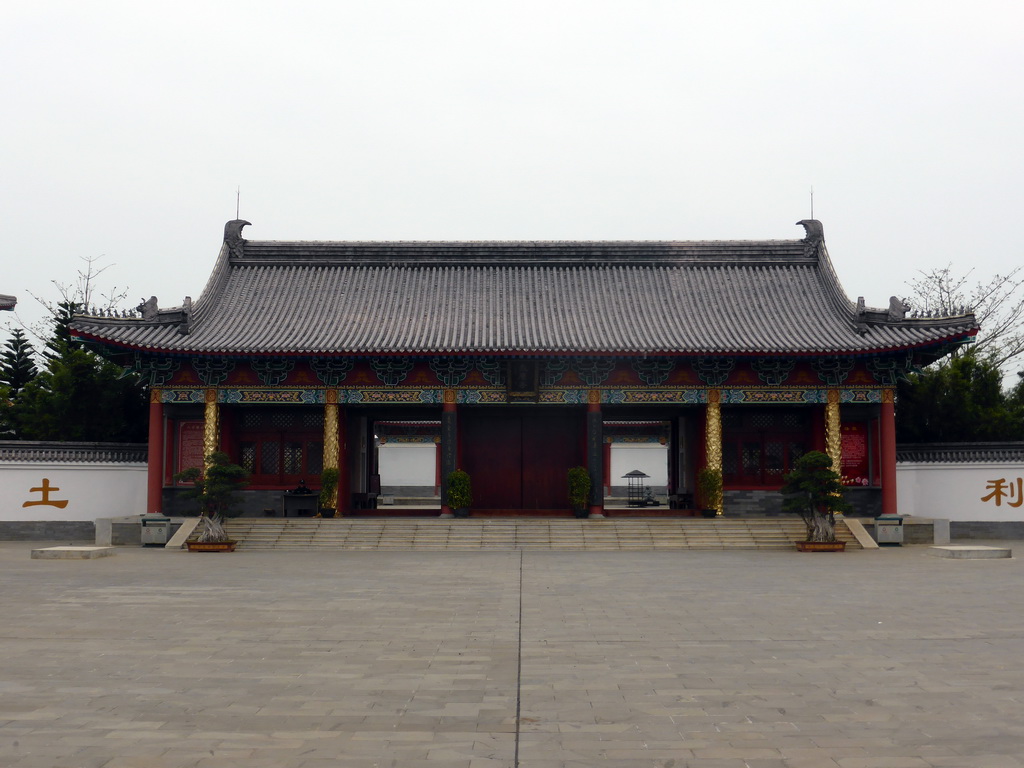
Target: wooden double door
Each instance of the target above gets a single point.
(519, 457)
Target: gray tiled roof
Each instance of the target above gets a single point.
(32, 451)
(630, 298)
(7, 302)
(960, 452)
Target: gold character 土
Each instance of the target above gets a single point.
(45, 488)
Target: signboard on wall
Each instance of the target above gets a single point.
(190, 445)
(854, 465)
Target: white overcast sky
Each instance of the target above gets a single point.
(125, 129)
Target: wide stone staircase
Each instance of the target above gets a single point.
(475, 534)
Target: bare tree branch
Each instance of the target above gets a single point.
(83, 293)
(998, 304)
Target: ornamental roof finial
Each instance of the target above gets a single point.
(815, 233)
(233, 235)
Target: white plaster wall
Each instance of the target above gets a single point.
(91, 490)
(651, 458)
(407, 463)
(956, 491)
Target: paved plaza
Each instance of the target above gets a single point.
(165, 659)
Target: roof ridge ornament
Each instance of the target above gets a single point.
(814, 234)
(898, 309)
(148, 309)
(233, 236)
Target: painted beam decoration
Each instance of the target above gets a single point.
(553, 381)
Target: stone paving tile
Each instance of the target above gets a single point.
(161, 659)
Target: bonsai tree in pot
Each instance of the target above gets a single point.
(215, 491)
(709, 490)
(579, 491)
(460, 493)
(329, 490)
(815, 492)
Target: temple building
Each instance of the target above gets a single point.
(516, 361)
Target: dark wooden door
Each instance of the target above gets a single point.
(552, 443)
(491, 450)
(519, 458)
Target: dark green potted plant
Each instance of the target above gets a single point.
(709, 491)
(329, 491)
(460, 493)
(579, 491)
(814, 491)
(215, 490)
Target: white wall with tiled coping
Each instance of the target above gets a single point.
(983, 492)
(71, 491)
(974, 492)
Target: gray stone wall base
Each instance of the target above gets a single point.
(403, 494)
(915, 531)
(866, 502)
(1013, 529)
(252, 503)
(48, 530)
(126, 531)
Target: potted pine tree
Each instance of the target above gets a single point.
(814, 491)
(579, 491)
(214, 490)
(329, 491)
(460, 493)
(709, 491)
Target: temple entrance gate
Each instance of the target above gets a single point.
(519, 458)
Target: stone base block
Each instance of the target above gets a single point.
(72, 553)
(970, 552)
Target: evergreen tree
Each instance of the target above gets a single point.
(81, 397)
(961, 401)
(17, 368)
(61, 341)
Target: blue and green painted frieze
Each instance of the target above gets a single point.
(554, 381)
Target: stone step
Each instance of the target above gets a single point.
(521, 533)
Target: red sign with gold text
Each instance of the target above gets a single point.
(854, 466)
(190, 445)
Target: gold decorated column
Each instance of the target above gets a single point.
(713, 436)
(833, 433)
(332, 445)
(211, 427)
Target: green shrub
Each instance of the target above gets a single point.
(579, 488)
(460, 490)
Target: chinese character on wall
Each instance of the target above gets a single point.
(1012, 491)
(45, 490)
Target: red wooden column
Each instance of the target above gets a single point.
(344, 465)
(888, 451)
(595, 453)
(155, 461)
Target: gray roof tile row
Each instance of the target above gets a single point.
(960, 452)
